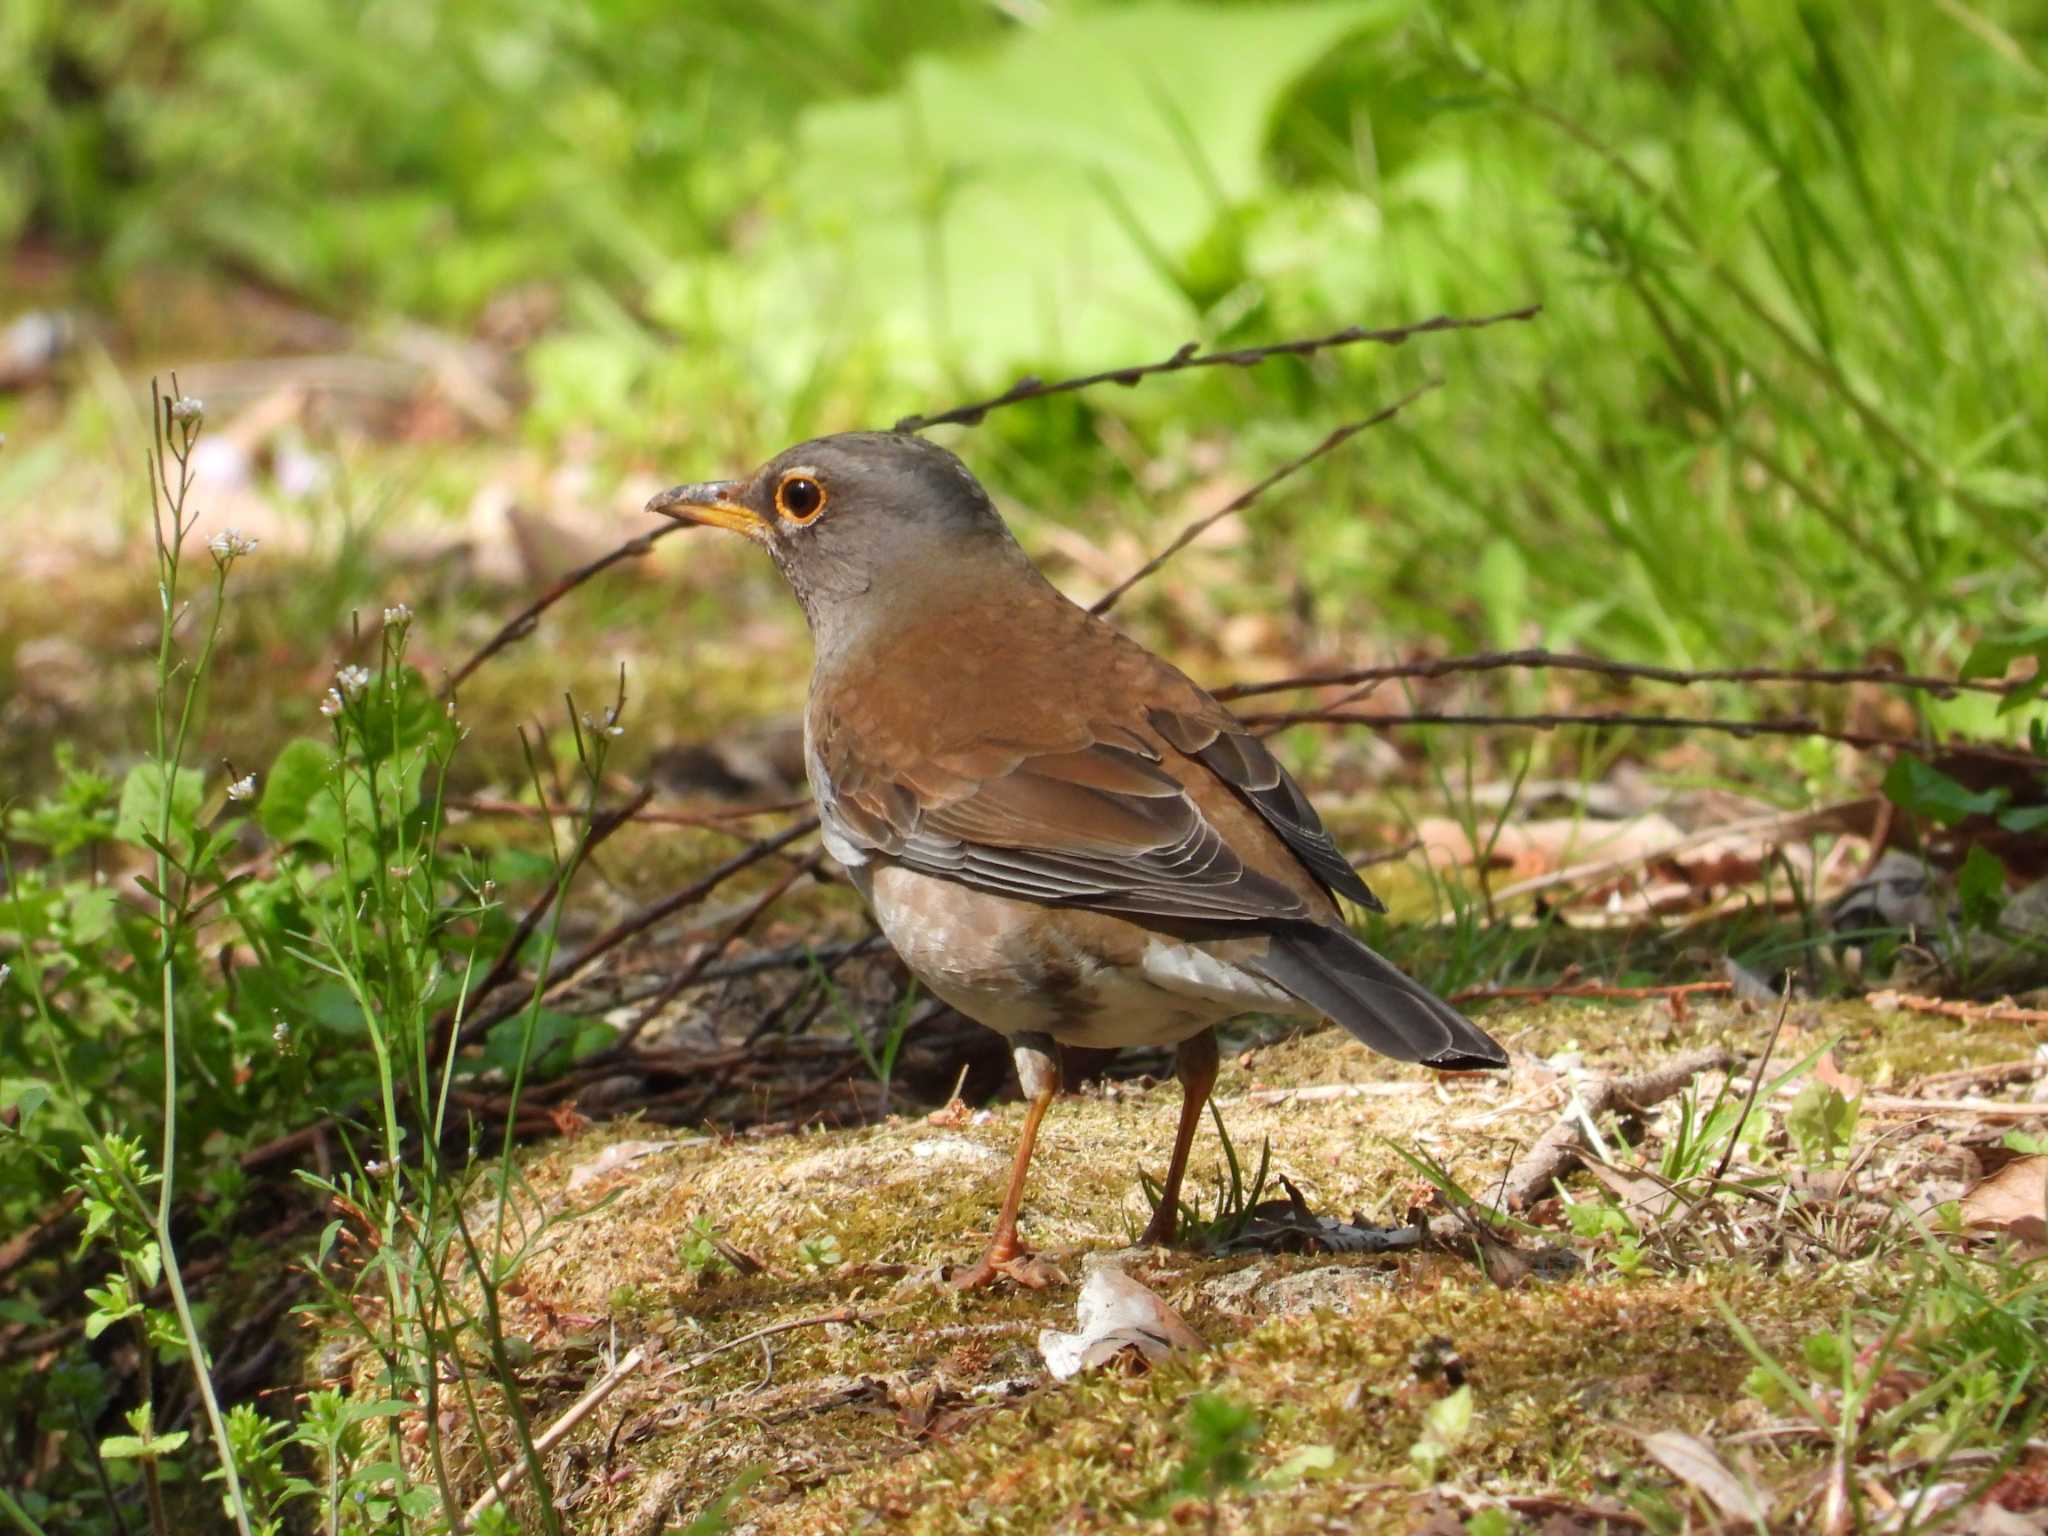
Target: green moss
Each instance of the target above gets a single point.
(897, 1419)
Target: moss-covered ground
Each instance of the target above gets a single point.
(886, 1401)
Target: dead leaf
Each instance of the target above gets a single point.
(1645, 1201)
(952, 1116)
(1524, 850)
(2014, 1199)
(620, 1154)
(1696, 1464)
(1289, 1226)
(1844, 1083)
(1116, 1315)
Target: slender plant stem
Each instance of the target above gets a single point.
(169, 756)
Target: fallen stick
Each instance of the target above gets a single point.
(1982, 1109)
(552, 1435)
(1556, 1151)
(2002, 1011)
(1990, 1074)
(580, 1410)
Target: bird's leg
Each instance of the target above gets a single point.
(1038, 1073)
(1195, 1064)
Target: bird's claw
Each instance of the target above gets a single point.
(1025, 1269)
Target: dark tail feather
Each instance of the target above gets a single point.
(1329, 969)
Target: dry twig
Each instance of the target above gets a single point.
(1191, 356)
(485, 805)
(1238, 503)
(581, 1408)
(2005, 1010)
(528, 618)
(1267, 724)
(1534, 660)
(1557, 1150)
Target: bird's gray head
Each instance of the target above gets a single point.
(856, 514)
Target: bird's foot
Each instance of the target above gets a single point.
(1159, 1231)
(1025, 1269)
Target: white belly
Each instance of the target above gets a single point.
(1087, 981)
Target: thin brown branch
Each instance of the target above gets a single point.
(1495, 661)
(1238, 503)
(549, 1438)
(1191, 356)
(602, 826)
(582, 1407)
(527, 619)
(1266, 724)
(485, 805)
(1557, 1150)
(639, 922)
(2002, 1011)
(690, 973)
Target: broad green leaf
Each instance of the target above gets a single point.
(298, 795)
(1066, 195)
(1980, 888)
(1990, 657)
(143, 805)
(1924, 790)
(25, 1095)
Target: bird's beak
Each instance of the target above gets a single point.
(715, 503)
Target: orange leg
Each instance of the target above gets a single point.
(1195, 1063)
(1038, 1072)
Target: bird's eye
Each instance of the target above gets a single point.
(799, 498)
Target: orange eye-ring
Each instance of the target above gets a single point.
(799, 498)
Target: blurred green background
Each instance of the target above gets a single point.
(1783, 402)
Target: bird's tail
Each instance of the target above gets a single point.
(1330, 970)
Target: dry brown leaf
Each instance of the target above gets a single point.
(1527, 849)
(1696, 1464)
(1826, 1071)
(2014, 1199)
(620, 1154)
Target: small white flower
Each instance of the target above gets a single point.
(281, 1035)
(330, 704)
(231, 544)
(352, 680)
(399, 871)
(188, 408)
(5, 972)
(608, 726)
(243, 788)
(398, 613)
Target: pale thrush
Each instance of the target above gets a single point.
(1062, 835)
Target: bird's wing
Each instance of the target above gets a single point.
(1098, 822)
(1215, 740)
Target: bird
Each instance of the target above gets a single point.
(1061, 834)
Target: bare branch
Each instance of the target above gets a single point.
(639, 922)
(485, 805)
(1266, 724)
(1495, 661)
(1556, 1151)
(1238, 503)
(1190, 356)
(525, 621)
